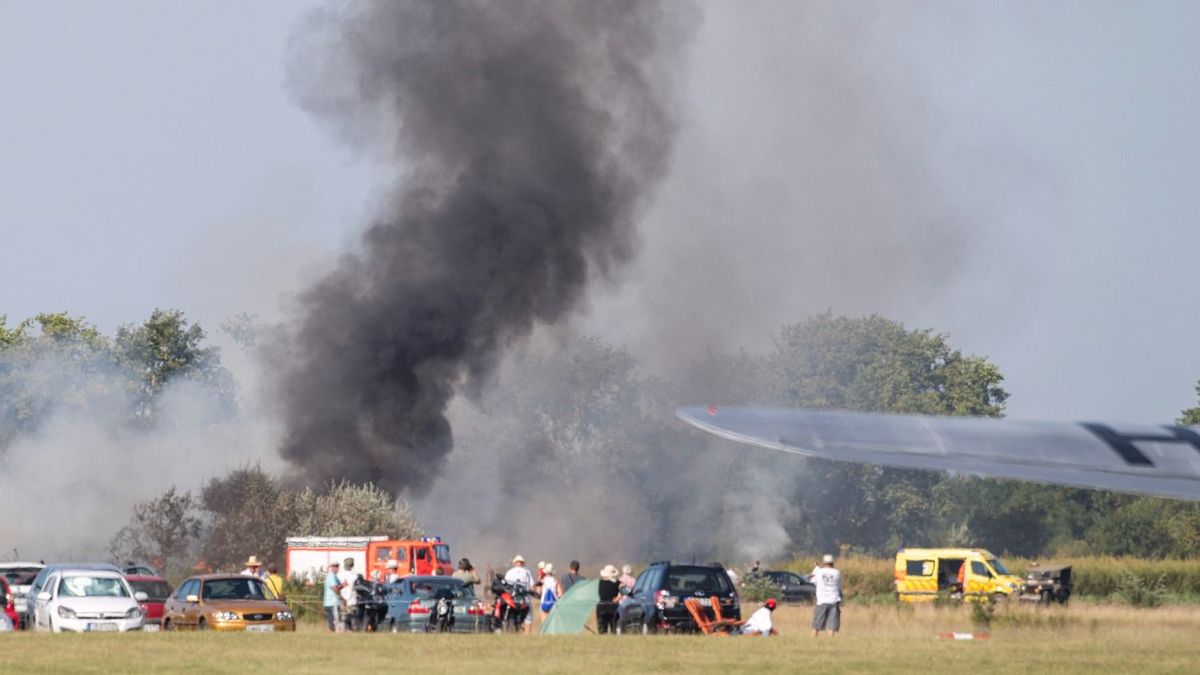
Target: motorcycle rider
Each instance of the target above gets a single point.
(521, 578)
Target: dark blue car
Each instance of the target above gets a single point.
(656, 602)
(412, 601)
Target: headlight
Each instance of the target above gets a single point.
(225, 616)
(134, 613)
(283, 616)
(66, 612)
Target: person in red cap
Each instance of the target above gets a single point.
(760, 621)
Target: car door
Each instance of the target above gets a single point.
(42, 614)
(179, 605)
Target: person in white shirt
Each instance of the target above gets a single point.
(549, 591)
(253, 567)
(349, 578)
(827, 615)
(519, 575)
(759, 622)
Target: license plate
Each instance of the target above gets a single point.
(150, 628)
(102, 627)
(260, 629)
(705, 602)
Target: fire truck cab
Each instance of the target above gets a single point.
(424, 556)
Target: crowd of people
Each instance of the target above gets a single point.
(547, 587)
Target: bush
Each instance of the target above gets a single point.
(758, 587)
(1137, 591)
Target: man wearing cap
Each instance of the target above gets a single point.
(827, 615)
(759, 622)
(331, 600)
(520, 576)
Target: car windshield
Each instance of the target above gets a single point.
(998, 566)
(246, 588)
(688, 580)
(154, 590)
(21, 576)
(426, 589)
(83, 586)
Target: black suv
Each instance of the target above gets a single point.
(656, 602)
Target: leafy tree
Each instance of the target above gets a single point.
(874, 364)
(165, 348)
(161, 531)
(1191, 416)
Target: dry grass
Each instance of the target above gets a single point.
(874, 639)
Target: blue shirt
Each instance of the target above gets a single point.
(331, 584)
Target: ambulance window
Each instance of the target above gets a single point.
(998, 566)
(919, 568)
(422, 553)
(979, 569)
(383, 553)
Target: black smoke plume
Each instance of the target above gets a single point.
(527, 135)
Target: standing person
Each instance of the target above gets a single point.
(627, 580)
(332, 599)
(274, 581)
(349, 596)
(827, 615)
(393, 570)
(733, 577)
(549, 593)
(466, 573)
(606, 609)
(253, 567)
(520, 576)
(759, 622)
(568, 580)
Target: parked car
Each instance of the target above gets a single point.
(39, 582)
(793, 587)
(157, 591)
(10, 611)
(226, 602)
(411, 602)
(656, 601)
(138, 570)
(86, 601)
(19, 576)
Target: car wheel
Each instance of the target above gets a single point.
(203, 625)
(167, 625)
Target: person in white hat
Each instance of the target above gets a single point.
(827, 614)
(520, 576)
(393, 570)
(606, 609)
(253, 567)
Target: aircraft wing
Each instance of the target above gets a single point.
(1141, 459)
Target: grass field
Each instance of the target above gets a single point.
(874, 639)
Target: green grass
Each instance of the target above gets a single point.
(1086, 638)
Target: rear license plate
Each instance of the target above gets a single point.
(150, 628)
(102, 627)
(704, 602)
(260, 629)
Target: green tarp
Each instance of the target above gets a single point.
(573, 609)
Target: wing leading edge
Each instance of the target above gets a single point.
(1141, 459)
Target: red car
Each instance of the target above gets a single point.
(157, 591)
(10, 610)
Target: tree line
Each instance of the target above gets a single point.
(589, 420)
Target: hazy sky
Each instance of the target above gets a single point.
(1020, 175)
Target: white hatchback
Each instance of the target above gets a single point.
(87, 601)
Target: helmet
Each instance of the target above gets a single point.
(770, 604)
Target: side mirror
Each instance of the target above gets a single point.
(192, 598)
(44, 596)
(141, 596)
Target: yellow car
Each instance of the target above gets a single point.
(226, 602)
(922, 573)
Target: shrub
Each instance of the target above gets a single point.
(1137, 591)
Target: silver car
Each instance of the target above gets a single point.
(86, 601)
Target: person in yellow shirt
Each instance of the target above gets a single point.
(274, 581)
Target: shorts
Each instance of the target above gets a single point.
(827, 617)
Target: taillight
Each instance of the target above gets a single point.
(415, 607)
(477, 609)
(664, 600)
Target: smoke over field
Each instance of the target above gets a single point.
(527, 136)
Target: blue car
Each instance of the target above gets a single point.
(412, 603)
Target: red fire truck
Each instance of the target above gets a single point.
(307, 556)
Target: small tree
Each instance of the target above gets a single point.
(161, 531)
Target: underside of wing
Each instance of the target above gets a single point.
(1140, 459)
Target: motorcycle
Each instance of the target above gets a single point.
(371, 608)
(510, 607)
(441, 620)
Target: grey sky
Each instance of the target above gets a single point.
(1020, 175)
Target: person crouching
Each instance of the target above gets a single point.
(760, 622)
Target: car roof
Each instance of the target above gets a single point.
(13, 565)
(106, 567)
(79, 571)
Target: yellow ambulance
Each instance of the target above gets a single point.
(922, 573)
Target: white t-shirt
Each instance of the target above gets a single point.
(828, 581)
(759, 622)
(520, 575)
(348, 594)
